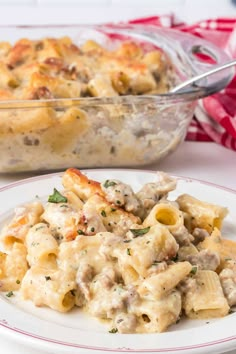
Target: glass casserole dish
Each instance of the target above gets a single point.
(49, 132)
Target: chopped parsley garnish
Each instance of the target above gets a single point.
(10, 294)
(92, 229)
(118, 202)
(80, 232)
(17, 281)
(120, 320)
(128, 251)
(33, 244)
(228, 259)
(39, 227)
(113, 330)
(47, 277)
(113, 209)
(103, 213)
(140, 232)
(109, 183)
(56, 197)
(194, 270)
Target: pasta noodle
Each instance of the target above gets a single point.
(225, 248)
(158, 315)
(208, 299)
(17, 228)
(165, 214)
(53, 288)
(204, 215)
(155, 246)
(80, 184)
(161, 284)
(41, 245)
(13, 267)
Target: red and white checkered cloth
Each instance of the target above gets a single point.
(215, 117)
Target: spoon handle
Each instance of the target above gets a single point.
(212, 71)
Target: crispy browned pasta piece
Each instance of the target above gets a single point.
(80, 184)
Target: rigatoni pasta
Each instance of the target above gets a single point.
(159, 285)
(225, 248)
(207, 300)
(41, 246)
(50, 287)
(24, 217)
(165, 214)
(13, 267)
(136, 259)
(203, 214)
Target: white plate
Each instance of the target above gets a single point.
(75, 332)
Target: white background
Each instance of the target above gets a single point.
(95, 11)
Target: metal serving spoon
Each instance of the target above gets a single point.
(193, 80)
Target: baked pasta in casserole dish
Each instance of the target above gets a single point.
(56, 68)
(94, 98)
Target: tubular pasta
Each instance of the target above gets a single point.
(63, 219)
(203, 214)
(53, 288)
(225, 248)
(41, 245)
(207, 300)
(73, 200)
(115, 219)
(135, 257)
(13, 267)
(82, 249)
(16, 230)
(167, 215)
(8, 80)
(157, 286)
(80, 184)
(156, 316)
(101, 85)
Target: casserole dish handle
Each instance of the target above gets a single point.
(201, 56)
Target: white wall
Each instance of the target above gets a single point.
(95, 11)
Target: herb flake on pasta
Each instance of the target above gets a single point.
(56, 197)
(109, 183)
(140, 232)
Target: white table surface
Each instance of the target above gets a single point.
(205, 161)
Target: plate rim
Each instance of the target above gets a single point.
(87, 170)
